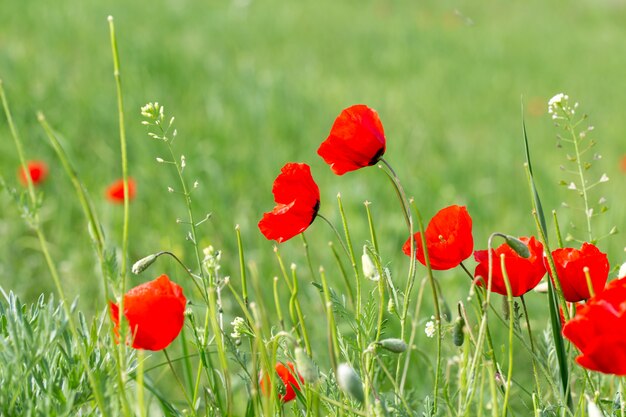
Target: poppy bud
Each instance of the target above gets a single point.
(369, 269)
(305, 366)
(393, 345)
(143, 264)
(349, 382)
(518, 246)
(458, 333)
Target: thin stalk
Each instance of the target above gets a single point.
(180, 383)
(333, 340)
(532, 347)
(94, 226)
(279, 311)
(557, 229)
(357, 275)
(509, 297)
(343, 273)
(242, 267)
(294, 297)
(50, 263)
(124, 155)
(142, 410)
(435, 296)
(581, 175)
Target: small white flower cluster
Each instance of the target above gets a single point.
(212, 258)
(152, 111)
(430, 329)
(560, 108)
(239, 328)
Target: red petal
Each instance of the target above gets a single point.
(356, 140)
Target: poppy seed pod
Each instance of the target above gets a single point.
(458, 332)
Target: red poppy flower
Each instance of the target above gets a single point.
(115, 191)
(36, 170)
(596, 330)
(448, 239)
(356, 140)
(297, 200)
(524, 273)
(623, 163)
(287, 376)
(570, 263)
(155, 312)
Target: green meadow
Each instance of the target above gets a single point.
(254, 84)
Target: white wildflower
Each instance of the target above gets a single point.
(430, 329)
(622, 271)
(604, 178)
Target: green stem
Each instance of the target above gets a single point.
(50, 263)
(509, 297)
(532, 347)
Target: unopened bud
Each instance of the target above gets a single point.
(391, 306)
(458, 333)
(393, 345)
(369, 269)
(143, 264)
(518, 246)
(593, 410)
(306, 367)
(349, 382)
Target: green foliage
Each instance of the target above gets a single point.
(40, 369)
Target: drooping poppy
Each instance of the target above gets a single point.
(524, 273)
(570, 264)
(356, 140)
(115, 191)
(36, 170)
(448, 239)
(297, 200)
(288, 382)
(596, 330)
(155, 312)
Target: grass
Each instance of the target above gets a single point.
(256, 84)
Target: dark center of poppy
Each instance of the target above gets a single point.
(316, 208)
(377, 156)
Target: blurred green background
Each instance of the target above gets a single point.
(255, 84)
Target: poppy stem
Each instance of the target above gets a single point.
(532, 348)
(334, 229)
(180, 383)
